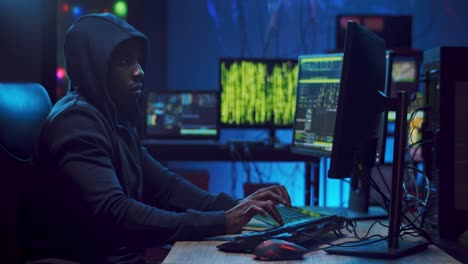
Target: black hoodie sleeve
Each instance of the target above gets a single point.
(167, 190)
(80, 151)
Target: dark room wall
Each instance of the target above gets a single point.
(199, 32)
(154, 24)
(21, 40)
(27, 42)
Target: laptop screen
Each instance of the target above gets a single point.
(182, 115)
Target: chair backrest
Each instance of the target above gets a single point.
(23, 108)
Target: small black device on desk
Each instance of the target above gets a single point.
(292, 231)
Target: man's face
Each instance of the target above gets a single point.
(126, 76)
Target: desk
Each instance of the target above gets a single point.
(224, 152)
(206, 252)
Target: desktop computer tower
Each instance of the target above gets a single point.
(445, 141)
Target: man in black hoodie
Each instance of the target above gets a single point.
(106, 198)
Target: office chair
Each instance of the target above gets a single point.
(23, 108)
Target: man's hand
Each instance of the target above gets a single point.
(276, 193)
(263, 202)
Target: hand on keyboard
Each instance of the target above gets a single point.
(238, 216)
(276, 193)
(262, 202)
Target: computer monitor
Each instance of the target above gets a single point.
(359, 113)
(182, 115)
(318, 85)
(257, 93)
(361, 101)
(318, 89)
(404, 65)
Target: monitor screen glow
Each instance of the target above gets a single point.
(182, 115)
(316, 102)
(257, 93)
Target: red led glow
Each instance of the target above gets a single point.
(65, 8)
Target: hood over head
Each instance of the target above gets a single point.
(89, 45)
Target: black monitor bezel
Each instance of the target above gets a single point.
(181, 137)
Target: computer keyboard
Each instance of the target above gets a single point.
(289, 214)
(311, 226)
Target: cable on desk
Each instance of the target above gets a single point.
(360, 239)
(343, 244)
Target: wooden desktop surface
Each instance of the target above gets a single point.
(206, 252)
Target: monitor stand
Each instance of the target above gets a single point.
(358, 206)
(392, 247)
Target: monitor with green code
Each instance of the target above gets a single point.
(257, 93)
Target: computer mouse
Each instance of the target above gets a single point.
(278, 249)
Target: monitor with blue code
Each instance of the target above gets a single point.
(182, 115)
